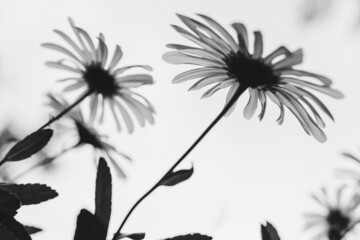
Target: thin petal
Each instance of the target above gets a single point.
(181, 58)
(290, 60)
(323, 89)
(221, 30)
(229, 96)
(258, 45)
(126, 116)
(198, 73)
(116, 58)
(208, 80)
(251, 106)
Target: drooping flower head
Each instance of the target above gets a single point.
(225, 63)
(337, 216)
(84, 134)
(102, 79)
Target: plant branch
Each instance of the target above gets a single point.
(57, 117)
(237, 94)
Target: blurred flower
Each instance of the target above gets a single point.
(351, 173)
(314, 9)
(85, 134)
(226, 63)
(337, 218)
(104, 82)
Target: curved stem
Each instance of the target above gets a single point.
(237, 94)
(57, 117)
(349, 229)
(43, 162)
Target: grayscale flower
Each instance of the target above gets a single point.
(225, 63)
(337, 217)
(352, 173)
(84, 134)
(102, 79)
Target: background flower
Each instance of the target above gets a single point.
(102, 80)
(337, 216)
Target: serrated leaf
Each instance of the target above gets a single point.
(29, 145)
(195, 236)
(268, 232)
(133, 236)
(32, 230)
(13, 226)
(177, 177)
(103, 194)
(9, 202)
(30, 193)
(88, 227)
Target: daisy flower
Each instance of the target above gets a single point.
(351, 173)
(337, 217)
(99, 77)
(86, 135)
(226, 63)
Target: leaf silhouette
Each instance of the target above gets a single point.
(30, 193)
(103, 194)
(32, 230)
(9, 202)
(14, 227)
(268, 232)
(133, 236)
(88, 227)
(195, 236)
(29, 145)
(177, 177)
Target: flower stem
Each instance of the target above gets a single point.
(42, 162)
(235, 97)
(57, 117)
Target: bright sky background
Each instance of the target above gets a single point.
(246, 172)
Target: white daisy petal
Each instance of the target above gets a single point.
(291, 60)
(229, 96)
(116, 58)
(323, 89)
(208, 80)
(251, 106)
(258, 45)
(198, 73)
(221, 30)
(300, 73)
(181, 58)
(127, 119)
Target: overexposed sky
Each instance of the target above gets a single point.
(246, 172)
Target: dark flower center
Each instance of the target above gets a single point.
(338, 223)
(250, 72)
(86, 136)
(100, 80)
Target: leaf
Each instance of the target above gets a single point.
(13, 226)
(29, 145)
(268, 232)
(177, 177)
(30, 193)
(88, 227)
(32, 230)
(6, 234)
(133, 236)
(195, 236)
(103, 194)
(9, 202)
